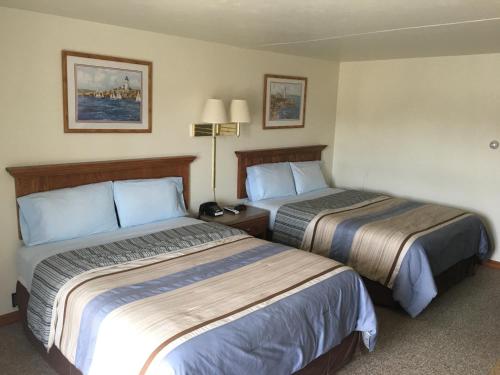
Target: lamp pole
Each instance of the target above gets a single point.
(214, 157)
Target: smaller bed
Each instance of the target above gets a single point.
(183, 296)
(406, 251)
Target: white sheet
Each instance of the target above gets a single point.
(273, 204)
(29, 256)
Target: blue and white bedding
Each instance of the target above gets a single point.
(27, 257)
(200, 298)
(401, 244)
(273, 205)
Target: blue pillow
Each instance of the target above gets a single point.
(145, 201)
(249, 191)
(308, 176)
(270, 181)
(67, 213)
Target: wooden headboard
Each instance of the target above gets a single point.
(37, 178)
(272, 155)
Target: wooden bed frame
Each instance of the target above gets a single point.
(39, 178)
(272, 155)
(32, 179)
(380, 294)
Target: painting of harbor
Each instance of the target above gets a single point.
(107, 94)
(284, 101)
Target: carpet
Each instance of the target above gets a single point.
(459, 333)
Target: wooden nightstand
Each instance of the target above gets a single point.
(253, 220)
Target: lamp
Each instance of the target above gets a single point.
(215, 124)
(239, 113)
(214, 112)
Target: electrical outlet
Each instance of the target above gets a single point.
(14, 299)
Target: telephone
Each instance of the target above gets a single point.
(210, 209)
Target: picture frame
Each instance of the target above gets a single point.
(106, 94)
(284, 102)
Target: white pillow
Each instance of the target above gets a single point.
(271, 180)
(145, 201)
(67, 213)
(308, 176)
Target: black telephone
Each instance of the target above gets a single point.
(210, 209)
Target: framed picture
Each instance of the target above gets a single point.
(284, 101)
(104, 94)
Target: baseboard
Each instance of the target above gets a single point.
(10, 318)
(492, 264)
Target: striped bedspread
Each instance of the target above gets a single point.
(374, 234)
(203, 298)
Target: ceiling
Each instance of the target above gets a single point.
(343, 30)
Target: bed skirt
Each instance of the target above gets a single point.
(382, 296)
(328, 363)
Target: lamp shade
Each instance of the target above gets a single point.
(239, 111)
(214, 112)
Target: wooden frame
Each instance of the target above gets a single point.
(272, 155)
(38, 178)
(148, 108)
(301, 122)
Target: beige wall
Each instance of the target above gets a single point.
(421, 128)
(186, 72)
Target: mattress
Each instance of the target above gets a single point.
(27, 257)
(274, 204)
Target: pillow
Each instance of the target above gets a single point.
(67, 213)
(308, 176)
(270, 181)
(145, 201)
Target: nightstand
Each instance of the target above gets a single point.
(253, 220)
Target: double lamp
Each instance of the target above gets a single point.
(215, 123)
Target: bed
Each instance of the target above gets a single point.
(406, 251)
(181, 295)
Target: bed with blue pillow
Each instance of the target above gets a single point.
(407, 251)
(127, 283)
